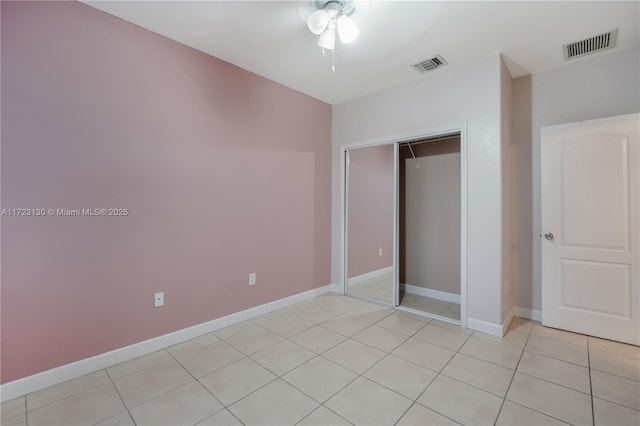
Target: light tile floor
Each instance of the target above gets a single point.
(378, 288)
(381, 288)
(336, 360)
(430, 305)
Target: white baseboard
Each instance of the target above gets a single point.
(369, 275)
(336, 288)
(66, 372)
(434, 294)
(485, 327)
(490, 328)
(507, 321)
(532, 314)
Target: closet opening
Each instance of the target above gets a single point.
(404, 222)
(429, 226)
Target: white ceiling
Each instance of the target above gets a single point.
(270, 39)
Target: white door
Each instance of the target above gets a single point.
(590, 227)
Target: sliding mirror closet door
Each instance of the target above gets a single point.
(370, 222)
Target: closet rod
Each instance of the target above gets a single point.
(438, 139)
(414, 156)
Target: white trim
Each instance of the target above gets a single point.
(396, 225)
(490, 328)
(345, 214)
(434, 294)
(532, 314)
(60, 374)
(370, 275)
(485, 327)
(507, 321)
(419, 134)
(336, 288)
(464, 217)
(386, 140)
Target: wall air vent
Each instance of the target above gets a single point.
(430, 64)
(590, 45)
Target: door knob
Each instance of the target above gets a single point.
(549, 236)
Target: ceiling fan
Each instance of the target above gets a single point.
(326, 18)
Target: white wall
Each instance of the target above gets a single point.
(507, 191)
(432, 222)
(448, 96)
(592, 88)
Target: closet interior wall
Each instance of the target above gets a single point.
(429, 225)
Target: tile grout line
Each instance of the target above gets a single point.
(404, 413)
(539, 412)
(280, 376)
(448, 348)
(68, 396)
(565, 386)
(438, 373)
(613, 374)
(277, 377)
(361, 375)
(541, 379)
(157, 396)
(198, 381)
(557, 339)
(618, 403)
(387, 354)
(490, 362)
(120, 396)
(275, 374)
(375, 363)
(226, 407)
(65, 397)
(139, 369)
(554, 383)
(316, 409)
(333, 394)
(515, 370)
(555, 358)
(474, 386)
(266, 347)
(245, 356)
(357, 375)
(609, 352)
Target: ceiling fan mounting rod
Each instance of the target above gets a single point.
(334, 8)
(344, 7)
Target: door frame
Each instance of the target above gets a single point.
(396, 140)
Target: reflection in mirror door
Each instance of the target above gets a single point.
(370, 222)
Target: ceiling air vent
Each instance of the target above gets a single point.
(591, 45)
(430, 64)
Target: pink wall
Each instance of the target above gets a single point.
(370, 204)
(223, 172)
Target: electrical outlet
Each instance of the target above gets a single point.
(252, 278)
(158, 299)
(379, 252)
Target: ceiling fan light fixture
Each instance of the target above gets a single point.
(347, 29)
(325, 18)
(327, 39)
(318, 21)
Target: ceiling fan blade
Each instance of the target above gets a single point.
(347, 29)
(318, 21)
